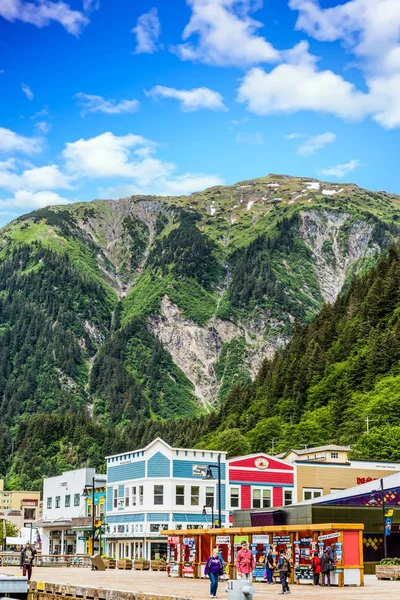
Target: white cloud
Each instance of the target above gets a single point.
(294, 136)
(31, 200)
(36, 178)
(253, 139)
(42, 127)
(190, 100)
(226, 34)
(147, 31)
(315, 142)
(41, 113)
(341, 170)
(299, 85)
(92, 104)
(106, 155)
(180, 185)
(89, 5)
(27, 91)
(42, 12)
(11, 142)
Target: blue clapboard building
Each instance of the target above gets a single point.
(155, 488)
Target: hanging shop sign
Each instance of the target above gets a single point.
(260, 539)
(281, 539)
(328, 536)
(173, 539)
(199, 470)
(222, 539)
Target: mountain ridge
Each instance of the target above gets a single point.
(167, 303)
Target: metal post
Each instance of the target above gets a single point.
(384, 518)
(30, 535)
(212, 516)
(219, 492)
(93, 528)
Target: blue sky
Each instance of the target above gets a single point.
(103, 99)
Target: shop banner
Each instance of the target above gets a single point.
(328, 536)
(260, 539)
(238, 539)
(388, 521)
(222, 539)
(173, 540)
(188, 570)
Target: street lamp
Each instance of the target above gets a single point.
(210, 476)
(374, 502)
(210, 504)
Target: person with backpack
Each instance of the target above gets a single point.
(316, 567)
(284, 569)
(326, 567)
(214, 569)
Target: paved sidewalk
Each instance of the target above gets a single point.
(157, 583)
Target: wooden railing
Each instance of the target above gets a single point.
(12, 559)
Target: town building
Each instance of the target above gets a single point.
(63, 503)
(260, 481)
(157, 488)
(91, 530)
(315, 479)
(19, 507)
(331, 453)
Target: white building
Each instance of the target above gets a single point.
(63, 501)
(159, 487)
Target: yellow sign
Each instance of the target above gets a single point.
(40, 586)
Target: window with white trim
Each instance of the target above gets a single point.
(126, 496)
(195, 495)
(115, 497)
(235, 497)
(134, 495)
(180, 495)
(58, 501)
(49, 502)
(334, 454)
(141, 495)
(261, 498)
(287, 497)
(158, 494)
(210, 496)
(311, 493)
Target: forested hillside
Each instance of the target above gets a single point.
(123, 320)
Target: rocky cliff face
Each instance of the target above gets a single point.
(212, 282)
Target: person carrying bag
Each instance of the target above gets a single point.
(214, 569)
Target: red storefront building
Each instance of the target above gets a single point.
(260, 481)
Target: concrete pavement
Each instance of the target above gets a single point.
(158, 584)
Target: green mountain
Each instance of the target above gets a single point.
(116, 317)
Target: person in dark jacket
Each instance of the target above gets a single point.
(316, 567)
(26, 560)
(326, 567)
(214, 569)
(284, 570)
(269, 567)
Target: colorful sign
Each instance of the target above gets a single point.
(261, 463)
(238, 539)
(199, 470)
(188, 570)
(260, 539)
(173, 540)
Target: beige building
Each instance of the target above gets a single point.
(332, 453)
(19, 507)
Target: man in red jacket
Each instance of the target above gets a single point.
(244, 562)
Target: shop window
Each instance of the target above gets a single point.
(334, 454)
(67, 501)
(158, 494)
(288, 497)
(77, 499)
(261, 498)
(49, 502)
(180, 495)
(195, 495)
(58, 501)
(134, 495)
(140, 494)
(115, 498)
(126, 496)
(89, 510)
(121, 528)
(235, 497)
(209, 496)
(311, 493)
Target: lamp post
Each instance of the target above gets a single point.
(209, 476)
(211, 505)
(373, 502)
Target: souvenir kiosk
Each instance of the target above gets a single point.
(189, 550)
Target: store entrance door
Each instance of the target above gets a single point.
(158, 550)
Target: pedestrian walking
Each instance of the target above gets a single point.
(269, 567)
(26, 560)
(214, 569)
(316, 567)
(284, 569)
(245, 562)
(326, 568)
